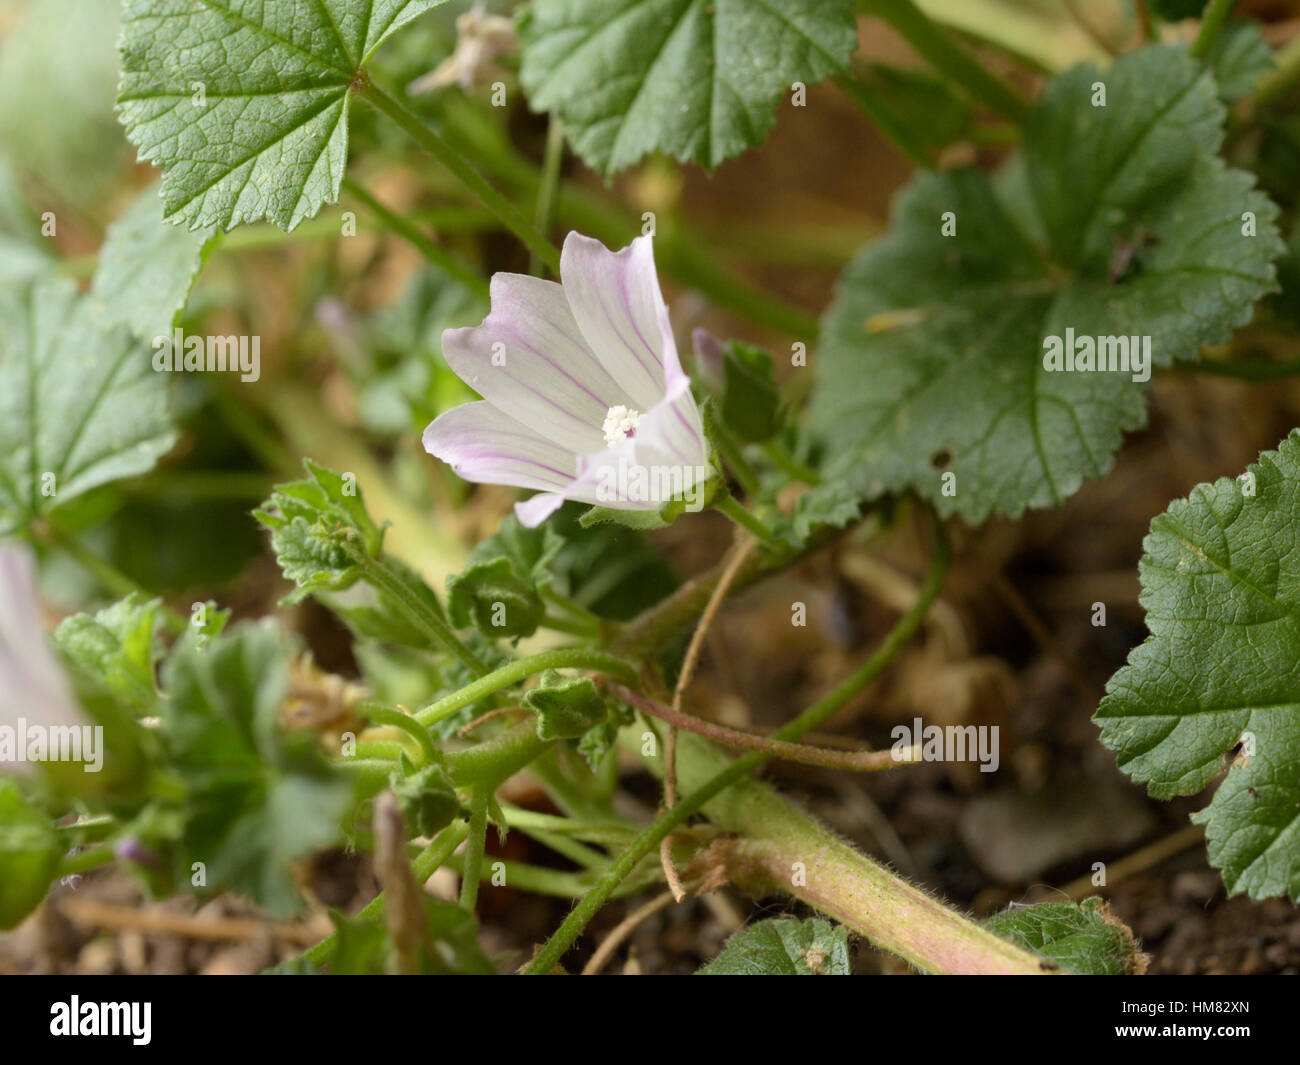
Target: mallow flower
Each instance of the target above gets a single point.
(584, 397)
(34, 690)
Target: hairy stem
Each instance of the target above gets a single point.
(440, 257)
(732, 508)
(1211, 24)
(706, 788)
(802, 753)
(402, 597)
(426, 863)
(939, 50)
(480, 797)
(460, 167)
(520, 669)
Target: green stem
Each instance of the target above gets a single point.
(802, 754)
(548, 190)
(520, 669)
(500, 757)
(84, 861)
(606, 833)
(1211, 23)
(402, 597)
(939, 50)
(1248, 370)
(426, 863)
(109, 576)
(387, 715)
(775, 837)
(480, 798)
(810, 719)
(729, 506)
(578, 853)
(679, 256)
(201, 485)
(570, 626)
(431, 142)
(734, 458)
(440, 257)
(571, 606)
(260, 442)
(893, 126)
(1285, 73)
(554, 882)
(683, 258)
(789, 465)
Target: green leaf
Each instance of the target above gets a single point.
(1117, 221)
(784, 946)
(498, 591)
(1239, 57)
(315, 525)
(79, 402)
(427, 798)
(829, 505)
(117, 646)
(147, 267)
(566, 706)
(257, 798)
(926, 107)
(611, 570)
(363, 947)
(1083, 937)
(30, 851)
(699, 79)
(1221, 587)
(268, 136)
(751, 401)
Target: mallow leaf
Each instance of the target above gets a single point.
(1239, 57)
(751, 401)
(256, 797)
(30, 850)
(498, 592)
(118, 646)
(699, 79)
(1119, 221)
(1214, 689)
(784, 946)
(316, 524)
(567, 707)
(1082, 937)
(244, 104)
(147, 267)
(80, 404)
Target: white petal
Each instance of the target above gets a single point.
(671, 433)
(616, 301)
(529, 359)
(485, 445)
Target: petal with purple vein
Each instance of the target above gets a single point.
(485, 445)
(529, 358)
